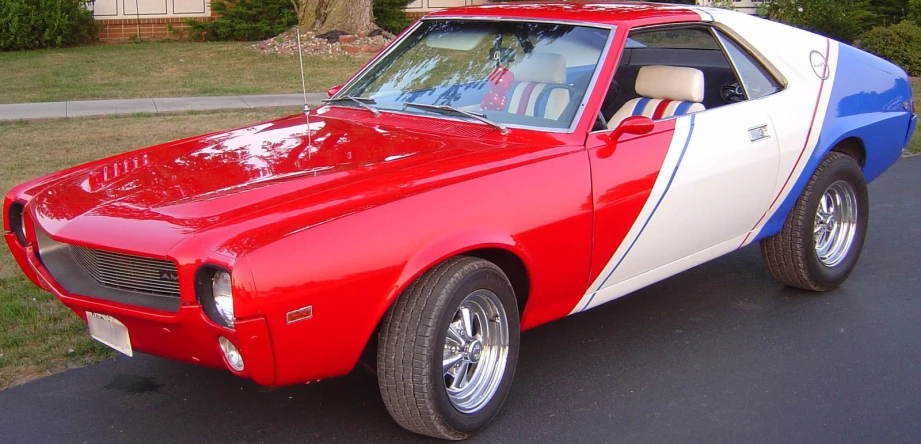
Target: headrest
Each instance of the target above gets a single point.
(541, 67)
(671, 83)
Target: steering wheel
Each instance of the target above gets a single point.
(732, 92)
(601, 123)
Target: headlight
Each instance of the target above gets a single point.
(223, 296)
(215, 293)
(18, 222)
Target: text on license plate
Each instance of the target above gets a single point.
(109, 331)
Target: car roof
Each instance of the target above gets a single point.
(587, 11)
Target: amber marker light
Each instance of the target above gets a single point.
(300, 314)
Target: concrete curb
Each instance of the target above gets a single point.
(85, 108)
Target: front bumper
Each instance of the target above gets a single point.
(186, 335)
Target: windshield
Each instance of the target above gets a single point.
(523, 74)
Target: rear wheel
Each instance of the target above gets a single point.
(823, 235)
(448, 349)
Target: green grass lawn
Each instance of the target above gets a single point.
(38, 335)
(162, 69)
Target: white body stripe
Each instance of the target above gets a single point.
(650, 277)
(704, 13)
(682, 132)
(718, 192)
(727, 186)
(792, 109)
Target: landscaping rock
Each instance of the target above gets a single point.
(330, 43)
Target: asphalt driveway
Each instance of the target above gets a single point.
(720, 353)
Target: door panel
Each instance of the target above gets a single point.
(622, 184)
(713, 184)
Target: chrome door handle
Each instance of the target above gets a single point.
(759, 132)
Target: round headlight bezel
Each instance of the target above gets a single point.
(231, 354)
(214, 288)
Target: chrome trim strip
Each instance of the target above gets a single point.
(481, 18)
(772, 70)
(376, 59)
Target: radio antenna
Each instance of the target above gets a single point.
(300, 57)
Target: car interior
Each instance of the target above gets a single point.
(671, 71)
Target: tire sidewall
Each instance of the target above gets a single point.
(495, 281)
(846, 169)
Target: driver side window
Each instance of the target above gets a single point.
(670, 71)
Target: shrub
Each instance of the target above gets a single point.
(914, 11)
(842, 20)
(391, 14)
(900, 44)
(247, 20)
(33, 24)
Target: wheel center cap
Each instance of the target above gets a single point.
(474, 350)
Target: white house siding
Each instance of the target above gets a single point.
(746, 6)
(148, 9)
(434, 5)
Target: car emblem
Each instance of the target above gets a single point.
(819, 64)
(169, 276)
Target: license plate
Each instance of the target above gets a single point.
(109, 331)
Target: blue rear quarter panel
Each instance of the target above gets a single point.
(867, 103)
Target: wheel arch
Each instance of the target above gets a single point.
(867, 120)
(499, 249)
(854, 148)
(852, 143)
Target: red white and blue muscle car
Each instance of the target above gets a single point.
(495, 168)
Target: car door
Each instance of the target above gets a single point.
(688, 191)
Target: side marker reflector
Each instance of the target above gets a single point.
(300, 314)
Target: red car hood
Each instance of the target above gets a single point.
(150, 200)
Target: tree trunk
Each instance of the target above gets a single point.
(352, 16)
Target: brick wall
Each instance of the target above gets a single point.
(119, 30)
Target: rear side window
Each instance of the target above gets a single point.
(681, 38)
(755, 78)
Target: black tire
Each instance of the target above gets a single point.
(412, 341)
(791, 255)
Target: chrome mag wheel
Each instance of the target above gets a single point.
(475, 352)
(835, 223)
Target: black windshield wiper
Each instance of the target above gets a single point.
(450, 109)
(364, 102)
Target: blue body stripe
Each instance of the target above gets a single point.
(640, 106)
(865, 102)
(651, 214)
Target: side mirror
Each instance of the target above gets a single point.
(631, 125)
(332, 91)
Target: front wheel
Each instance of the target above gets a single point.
(448, 349)
(823, 235)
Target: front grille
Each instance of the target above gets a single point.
(117, 277)
(128, 272)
